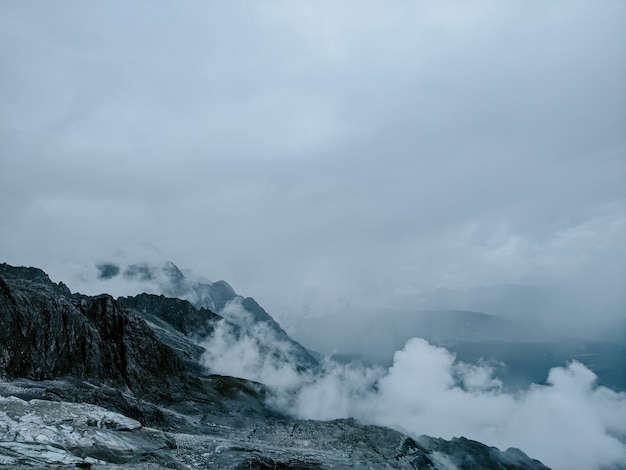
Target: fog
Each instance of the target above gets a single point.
(324, 157)
(568, 423)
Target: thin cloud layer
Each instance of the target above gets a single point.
(322, 156)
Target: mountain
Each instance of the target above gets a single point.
(378, 333)
(95, 382)
(559, 309)
(165, 278)
(89, 338)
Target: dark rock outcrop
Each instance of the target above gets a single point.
(47, 333)
(180, 314)
(176, 323)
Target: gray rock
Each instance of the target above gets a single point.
(40, 432)
(46, 333)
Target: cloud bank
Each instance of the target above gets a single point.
(345, 152)
(568, 423)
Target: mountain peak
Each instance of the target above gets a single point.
(25, 273)
(159, 277)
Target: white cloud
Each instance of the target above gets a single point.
(337, 151)
(568, 423)
(245, 355)
(243, 347)
(564, 423)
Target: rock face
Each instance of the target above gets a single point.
(343, 444)
(176, 323)
(180, 314)
(45, 333)
(94, 382)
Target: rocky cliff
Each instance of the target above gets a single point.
(46, 332)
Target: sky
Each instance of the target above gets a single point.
(323, 156)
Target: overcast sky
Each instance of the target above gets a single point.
(319, 154)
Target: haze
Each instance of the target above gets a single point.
(324, 157)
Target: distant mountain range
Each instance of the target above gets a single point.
(559, 309)
(98, 382)
(520, 354)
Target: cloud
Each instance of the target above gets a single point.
(568, 423)
(243, 347)
(336, 151)
(230, 353)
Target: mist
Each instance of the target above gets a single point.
(569, 422)
(324, 158)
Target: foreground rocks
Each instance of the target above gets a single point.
(42, 432)
(37, 433)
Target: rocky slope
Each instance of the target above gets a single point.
(85, 382)
(165, 278)
(46, 332)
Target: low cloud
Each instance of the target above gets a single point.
(229, 352)
(243, 347)
(568, 423)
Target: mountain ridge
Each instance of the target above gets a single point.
(182, 419)
(165, 278)
(523, 354)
